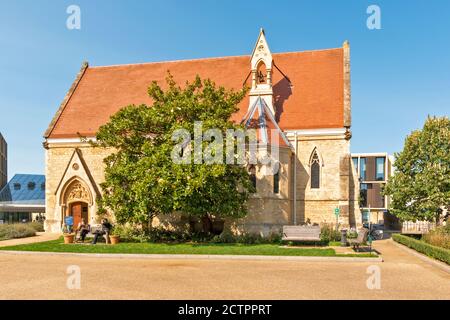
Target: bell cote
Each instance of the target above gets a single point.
(261, 66)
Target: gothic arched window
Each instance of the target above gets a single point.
(276, 182)
(315, 170)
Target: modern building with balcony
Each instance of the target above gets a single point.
(373, 171)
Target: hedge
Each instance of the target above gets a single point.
(423, 247)
(15, 231)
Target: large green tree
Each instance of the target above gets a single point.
(141, 178)
(420, 187)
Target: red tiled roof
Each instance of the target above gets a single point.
(314, 99)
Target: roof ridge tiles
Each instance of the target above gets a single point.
(205, 59)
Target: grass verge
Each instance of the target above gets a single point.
(183, 248)
(423, 247)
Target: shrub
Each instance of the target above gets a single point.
(38, 226)
(423, 247)
(15, 231)
(129, 233)
(246, 238)
(161, 234)
(328, 233)
(250, 238)
(440, 237)
(133, 233)
(254, 238)
(352, 234)
(275, 237)
(320, 243)
(224, 237)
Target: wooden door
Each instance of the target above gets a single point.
(76, 214)
(84, 213)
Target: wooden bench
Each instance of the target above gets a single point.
(92, 230)
(301, 233)
(361, 239)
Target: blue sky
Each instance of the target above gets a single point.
(400, 73)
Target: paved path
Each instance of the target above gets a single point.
(403, 276)
(40, 237)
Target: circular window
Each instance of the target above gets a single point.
(75, 166)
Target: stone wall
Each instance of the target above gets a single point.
(268, 212)
(59, 169)
(338, 184)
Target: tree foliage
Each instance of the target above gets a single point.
(420, 187)
(142, 181)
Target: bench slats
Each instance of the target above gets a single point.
(301, 233)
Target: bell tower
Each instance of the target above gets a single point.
(261, 65)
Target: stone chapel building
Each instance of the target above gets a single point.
(305, 95)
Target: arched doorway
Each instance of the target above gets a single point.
(79, 210)
(76, 201)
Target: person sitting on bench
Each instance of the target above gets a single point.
(83, 229)
(104, 231)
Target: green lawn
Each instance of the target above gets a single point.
(184, 248)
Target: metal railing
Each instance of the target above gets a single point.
(419, 227)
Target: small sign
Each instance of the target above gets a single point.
(69, 221)
(337, 211)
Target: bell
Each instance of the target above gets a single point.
(261, 77)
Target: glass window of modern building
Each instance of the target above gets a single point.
(355, 163)
(363, 195)
(20, 198)
(380, 168)
(363, 168)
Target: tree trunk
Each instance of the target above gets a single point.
(207, 223)
(147, 227)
